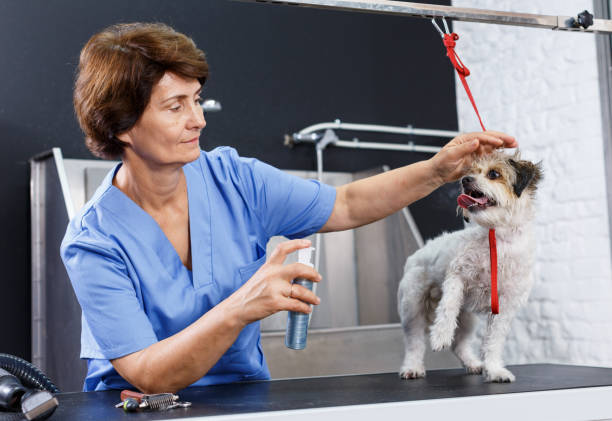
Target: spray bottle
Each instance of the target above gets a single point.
(297, 323)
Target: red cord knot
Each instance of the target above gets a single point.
(449, 40)
(449, 43)
(462, 71)
(461, 68)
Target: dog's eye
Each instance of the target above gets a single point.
(492, 175)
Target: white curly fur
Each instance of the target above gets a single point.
(447, 281)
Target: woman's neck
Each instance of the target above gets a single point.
(151, 186)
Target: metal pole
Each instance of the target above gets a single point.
(429, 11)
(353, 144)
(378, 128)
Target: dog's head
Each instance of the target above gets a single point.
(498, 190)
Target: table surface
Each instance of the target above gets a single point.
(321, 392)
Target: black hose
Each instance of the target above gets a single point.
(12, 416)
(30, 376)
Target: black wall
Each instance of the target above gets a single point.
(275, 69)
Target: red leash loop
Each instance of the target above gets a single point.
(462, 71)
(493, 254)
(449, 40)
(449, 43)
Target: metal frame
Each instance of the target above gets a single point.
(429, 11)
(38, 243)
(37, 223)
(311, 134)
(323, 135)
(604, 61)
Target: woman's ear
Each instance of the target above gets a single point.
(125, 137)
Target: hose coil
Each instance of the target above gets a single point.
(28, 373)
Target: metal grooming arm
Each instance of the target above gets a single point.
(323, 135)
(582, 22)
(317, 134)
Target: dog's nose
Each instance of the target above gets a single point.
(466, 180)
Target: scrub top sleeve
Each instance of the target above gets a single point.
(111, 308)
(285, 204)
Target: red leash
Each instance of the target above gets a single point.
(493, 254)
(463, 72)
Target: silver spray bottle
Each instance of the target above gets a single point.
(297, 323)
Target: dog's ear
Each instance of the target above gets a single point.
(527, 174)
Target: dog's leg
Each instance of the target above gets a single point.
(463, 343)
(498, 326)
(413, 366)
(411, 307)
(443, 329)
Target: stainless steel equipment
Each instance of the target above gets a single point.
(581, 22)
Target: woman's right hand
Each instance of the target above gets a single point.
(271, 290)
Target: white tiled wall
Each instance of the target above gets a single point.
(542, 87)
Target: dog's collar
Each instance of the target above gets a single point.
(493, 255)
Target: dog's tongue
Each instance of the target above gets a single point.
(466, 201)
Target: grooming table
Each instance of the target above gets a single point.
(541, 392)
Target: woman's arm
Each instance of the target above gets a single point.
(370, 199)
(183, 358)
(178, 361)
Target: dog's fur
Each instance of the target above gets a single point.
(449, 279)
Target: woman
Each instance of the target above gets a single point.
(168, 258)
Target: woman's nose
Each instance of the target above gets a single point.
(196, 119)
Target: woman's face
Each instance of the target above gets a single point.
(168, 132)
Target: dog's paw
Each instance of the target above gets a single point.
(440, 338)
(474, 368)
(412, 373)
(498, 375)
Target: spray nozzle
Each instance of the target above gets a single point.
(304, 256)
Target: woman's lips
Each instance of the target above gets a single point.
(195, 139)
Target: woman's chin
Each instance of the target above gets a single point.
(192, 153)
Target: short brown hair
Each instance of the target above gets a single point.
(118, 68)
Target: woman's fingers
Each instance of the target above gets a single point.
(493, 138)
(488, 141)
(292, 304)
(272, 290)
(463, 149)
(299, 270)
(281, 251)
(486, 138)
(303, 294)
(509, 141)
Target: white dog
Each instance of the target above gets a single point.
(449, 279)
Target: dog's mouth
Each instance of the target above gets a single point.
(472, 199)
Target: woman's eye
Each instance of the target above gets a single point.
(175, 108)
(493, 175)
(199, 100)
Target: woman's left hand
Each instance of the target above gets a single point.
(457, 155)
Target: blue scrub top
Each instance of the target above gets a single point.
(132, 286)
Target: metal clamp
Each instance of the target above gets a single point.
(328, 137)
(433, 20)
(583, 20)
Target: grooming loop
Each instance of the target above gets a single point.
(450, 40)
